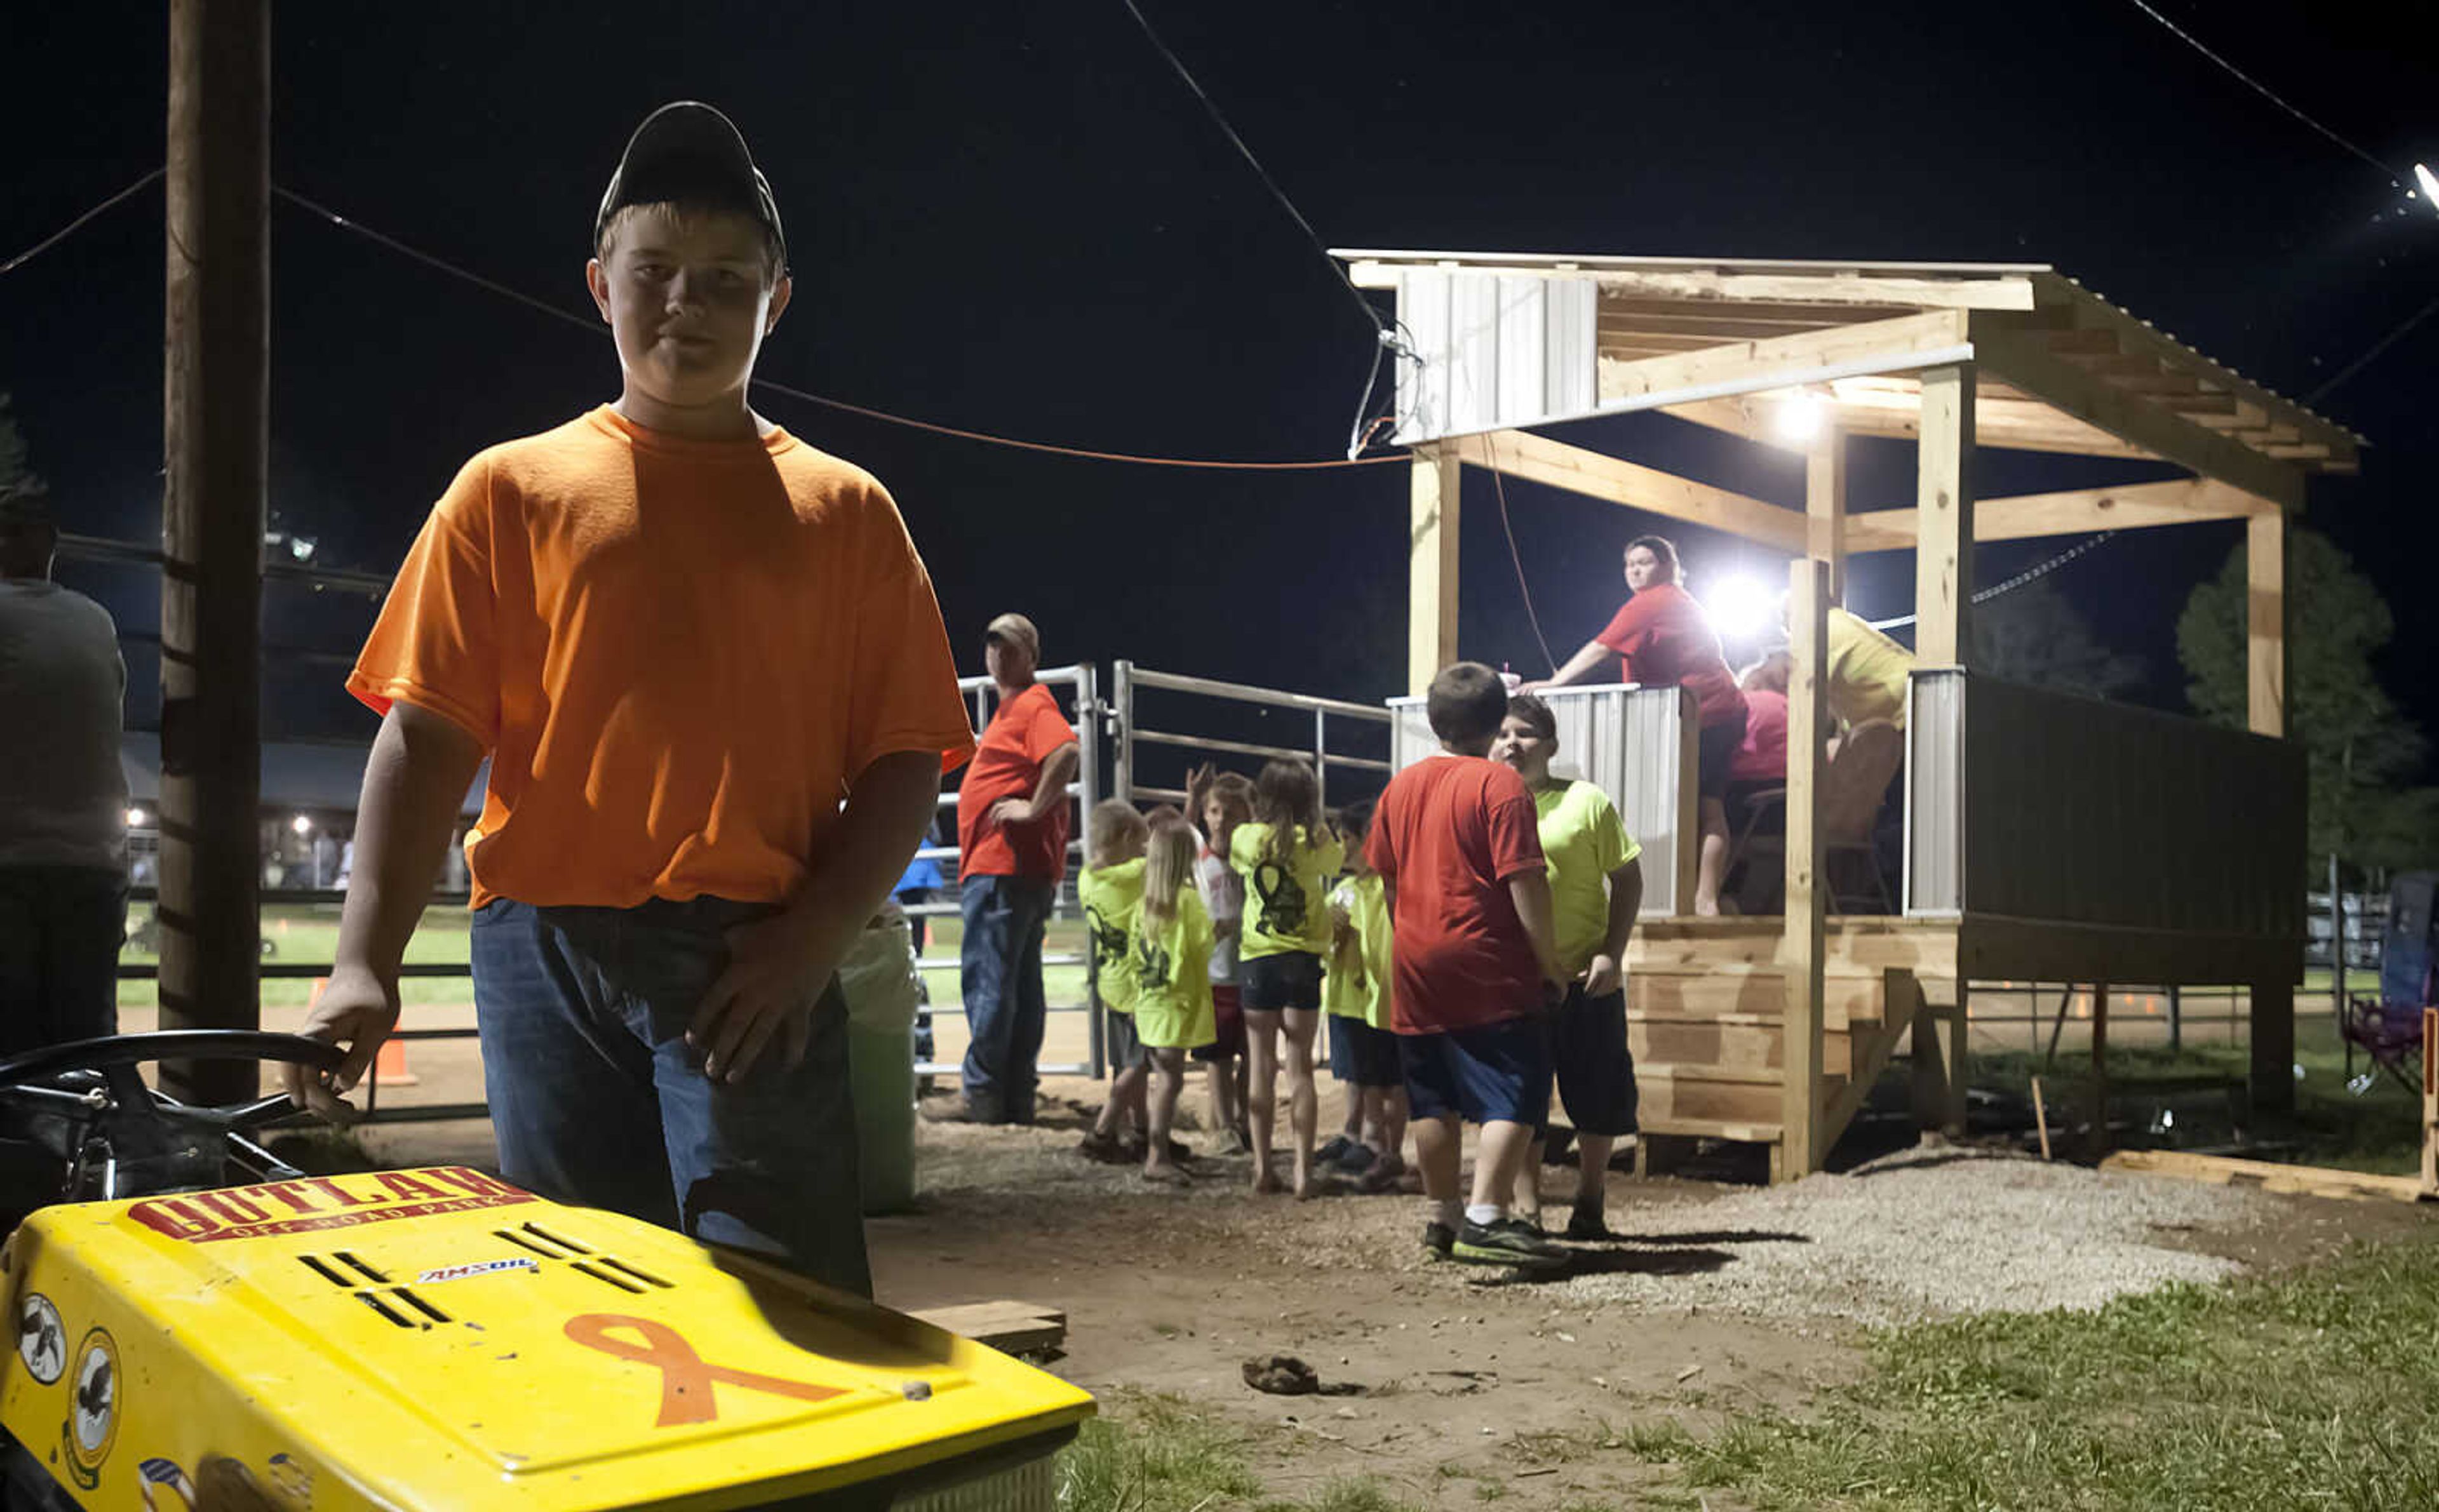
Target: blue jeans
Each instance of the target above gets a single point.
(597, 1099)
(61, 928)
(1000, 978)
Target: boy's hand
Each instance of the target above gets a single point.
(1603, 977)
(777, 969)
(357, 1009)
(1009, 812)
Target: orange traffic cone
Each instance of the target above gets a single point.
(389, 1065)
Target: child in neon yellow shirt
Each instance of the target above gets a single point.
(1288, 856)
(1363, 1049)
(1111, 889)
(1169, 953)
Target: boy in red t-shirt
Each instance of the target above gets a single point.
(1458, 843)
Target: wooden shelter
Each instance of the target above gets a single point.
(2048, 839)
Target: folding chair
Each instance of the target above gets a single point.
(2388, 1025)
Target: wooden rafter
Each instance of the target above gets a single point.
(1539, 459)
(2133, 507)
(1866, 345)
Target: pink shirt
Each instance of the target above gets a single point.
(1762, 758)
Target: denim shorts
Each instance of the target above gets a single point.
(1489, 1074)
(1290, 979)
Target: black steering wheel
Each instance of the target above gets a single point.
(115, 1058)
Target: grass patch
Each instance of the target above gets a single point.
(1155, 1453)
(2318, 1387)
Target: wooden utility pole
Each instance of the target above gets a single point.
(1803, 1131)
(217, 446)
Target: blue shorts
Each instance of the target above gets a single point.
(1290, 979)
(1360, 1055)
(1595, 1068)
(1490, 1074)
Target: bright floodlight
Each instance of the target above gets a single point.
(1741, 608)
(301, 825)
(137, 818)
(1800, 419)
(2430, 183)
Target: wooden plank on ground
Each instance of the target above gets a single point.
(2226, 1170)
(1011, 1327)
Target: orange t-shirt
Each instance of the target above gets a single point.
(677, 652)
(1020, 736)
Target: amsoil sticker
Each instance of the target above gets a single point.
(92, 1426)
(320, 1203)
(166, 1486)
(42, 1343)
(459, 1272)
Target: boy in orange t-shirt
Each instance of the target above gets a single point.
(710, 675)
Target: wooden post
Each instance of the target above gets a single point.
(2099, 1142)
(216, 438)
(1943, 574)
(1939, 1065)
(1824, 507)
(2265, 622)
(2273, 1046)
(1803, 1129)
(2430, 1100)
(1431, 557)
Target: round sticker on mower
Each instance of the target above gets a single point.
(166, 1486)
(92, 1426)
(41, 1339)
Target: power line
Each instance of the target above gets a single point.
(2376, 348)
(2264, 90)
(594, 327)
(73, 227)
(2028, 575)
(1490, 455)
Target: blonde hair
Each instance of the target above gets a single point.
(1169, 863)
(1112, 827)
(681, 215)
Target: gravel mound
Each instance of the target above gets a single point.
(1918, 1235)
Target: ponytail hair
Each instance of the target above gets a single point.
(1168, 865)
(1287, 798)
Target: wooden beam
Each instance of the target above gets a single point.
(2023, 516)
(1804, 1130)
(1430, 565)
(2265, 624)
(2018, 356)
(1943, 581)
(1011, 1327)
(1539, 459)
(1825, 506)
(2308, 1180)
(1867, 347)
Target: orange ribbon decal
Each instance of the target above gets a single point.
(686, 1377)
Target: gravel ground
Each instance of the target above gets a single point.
(1925, 1235)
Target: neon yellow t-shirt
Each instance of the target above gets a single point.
(1171, 969)
(1284, 907)
(1360, 971)
(1112, 896)
(1867, 672)
(1584, 840)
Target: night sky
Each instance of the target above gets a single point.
(1015, 219)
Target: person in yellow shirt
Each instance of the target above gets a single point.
(1288, 857)
(1110, 888)
(1169, 959)
(1867, 673)
(1596, 890)
(1362, 1048)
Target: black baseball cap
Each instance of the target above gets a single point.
(687, 153)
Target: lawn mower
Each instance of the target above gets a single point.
(437, 1337)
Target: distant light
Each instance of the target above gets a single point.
(137, 818)
(2430, 183)
(1802, 419)
(301, 825)
(301, 548)
(1741, 608)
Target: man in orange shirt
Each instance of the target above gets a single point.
(710, 674)
(1012, 823)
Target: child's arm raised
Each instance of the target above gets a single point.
(420, 765)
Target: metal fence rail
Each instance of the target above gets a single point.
(1130, 679)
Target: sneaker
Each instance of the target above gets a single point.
(1506, 1242)
(1330, 1153)
(1439, 1241)
(1106, 1149)
(1588, 1223)
(1357, 1157)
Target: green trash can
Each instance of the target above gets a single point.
(877, 980)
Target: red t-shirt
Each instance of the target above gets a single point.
(1665, 636)
(1448, 834)
(1008, 764)
(1763, 756)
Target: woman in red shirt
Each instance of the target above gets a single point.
(1662, 635)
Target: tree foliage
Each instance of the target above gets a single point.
(2036, 637)
(2362, 750)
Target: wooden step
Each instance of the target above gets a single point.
(1711, 1129)
(1755, 996)
(1719, 1042)
(1731, 1093)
